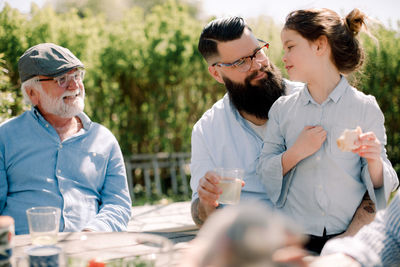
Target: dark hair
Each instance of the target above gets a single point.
(220, 30)
(347, 53)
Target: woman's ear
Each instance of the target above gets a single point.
(322, 45)
(217, 76)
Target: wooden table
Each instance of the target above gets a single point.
(171, 222)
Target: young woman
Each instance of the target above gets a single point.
(305, 172)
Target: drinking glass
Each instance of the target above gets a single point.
(231, 184)
(44, 225)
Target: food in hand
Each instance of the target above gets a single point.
(346, 142)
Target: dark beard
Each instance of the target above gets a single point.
(256, 99)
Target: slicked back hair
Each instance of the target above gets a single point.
(220, 30)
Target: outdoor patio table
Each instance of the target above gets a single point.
(81, 248)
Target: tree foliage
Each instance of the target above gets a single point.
(145, 79)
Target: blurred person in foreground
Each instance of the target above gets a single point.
(231, 133)
(54, 155)
(246, 235)
(377, 244)
(251, 235)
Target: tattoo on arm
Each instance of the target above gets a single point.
(369, 205)
(195, 212)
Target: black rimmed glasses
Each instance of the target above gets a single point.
(64, 80)
(244, 64)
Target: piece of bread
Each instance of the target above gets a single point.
(346, 141)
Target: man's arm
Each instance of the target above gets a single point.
(364, 215)
(200, 212)
(208, 193)
(115, 209)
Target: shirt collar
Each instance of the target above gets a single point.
(340, 89)
(242, 121)
(86, 122)
(335, 95)
(305, 96)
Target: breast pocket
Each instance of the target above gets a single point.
(84, 167)
(336, 152)
(93, 166)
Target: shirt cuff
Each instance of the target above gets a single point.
(98, 226)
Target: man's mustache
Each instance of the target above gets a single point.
(264, 69)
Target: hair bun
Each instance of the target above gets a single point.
(355, 21)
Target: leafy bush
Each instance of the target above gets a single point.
(146, 80)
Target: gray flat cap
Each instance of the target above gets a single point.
(46, 59)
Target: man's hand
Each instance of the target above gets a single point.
(208, 189)
(209, 193)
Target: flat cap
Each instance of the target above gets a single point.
(46, 59)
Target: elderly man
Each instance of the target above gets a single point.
(231, 133)
(54, 155)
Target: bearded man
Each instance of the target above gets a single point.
(54, 155)
(230, 134)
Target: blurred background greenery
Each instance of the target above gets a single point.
(145, 79)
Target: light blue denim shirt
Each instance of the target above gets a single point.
(376, 244)
(84, 175)
(223, 138)
(324, 189)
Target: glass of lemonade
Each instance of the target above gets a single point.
(231, 184)
(44, 223)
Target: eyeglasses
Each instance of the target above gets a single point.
(64, 80)
(244, 64)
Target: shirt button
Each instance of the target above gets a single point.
(59, 171)
(94, 154)
(60, 146)
(47, 126)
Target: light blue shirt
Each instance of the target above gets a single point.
(324, 189)
(376, 244)
(223, 138)
(84, 175)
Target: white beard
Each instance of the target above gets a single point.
(57, 106)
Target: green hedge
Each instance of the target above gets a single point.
(145, 79)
